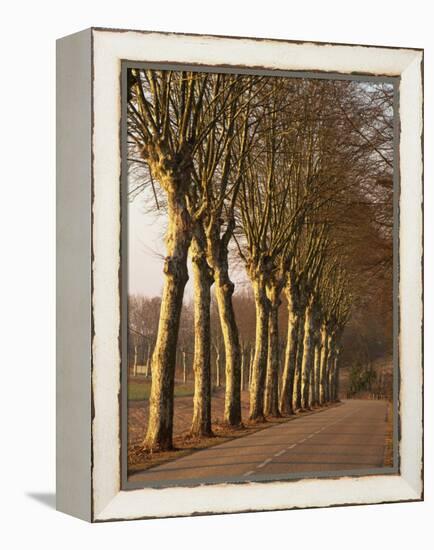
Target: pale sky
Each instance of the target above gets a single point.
(146, 251)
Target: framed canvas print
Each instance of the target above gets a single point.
(239, 276)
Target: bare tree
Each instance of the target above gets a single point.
(167, 123)
(217, 173)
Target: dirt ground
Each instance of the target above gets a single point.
(138, 414)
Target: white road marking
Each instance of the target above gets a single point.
(264, 463)
(268, 460)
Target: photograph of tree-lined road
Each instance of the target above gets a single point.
(260, 275)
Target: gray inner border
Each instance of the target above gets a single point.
(123, 276)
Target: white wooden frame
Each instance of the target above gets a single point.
(89, 222)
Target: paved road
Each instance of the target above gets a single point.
(347, 437)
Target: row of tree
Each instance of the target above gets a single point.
(275, 178)
(143, 325)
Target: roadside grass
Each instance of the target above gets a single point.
(139, 389)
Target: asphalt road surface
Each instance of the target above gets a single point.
(350, 436)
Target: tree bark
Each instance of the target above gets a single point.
(336, 371)
(296, 394)
(316, 371)
(328, 368)
(148, 361)
(311, 395)
(224, 288)
(271, 397)
(203, 280)
(332, 370)
(251, 358)
(160, 426)
(261, 351)
(307, 360)
(287, 388)
(135, 361)
(184, 367)
(243, 353)
(217, 366)
(323, 365)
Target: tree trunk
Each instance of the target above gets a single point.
(135, 361)
(307, 360)
(333, 379)
(323, 365)
(184, 367)
(203, 279)
(160, 425)
(217, 366)
(271, 398)
(224, 289)
(328, 368)
(296, 394)
(316, 371)
(148, 361)
(287, 388)
(242, 367)
(336, 381)
(261, 352)
(251, 358)
(311, 395)
(332, 370)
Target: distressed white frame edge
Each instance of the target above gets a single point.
(109, 48)
(73, 274)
